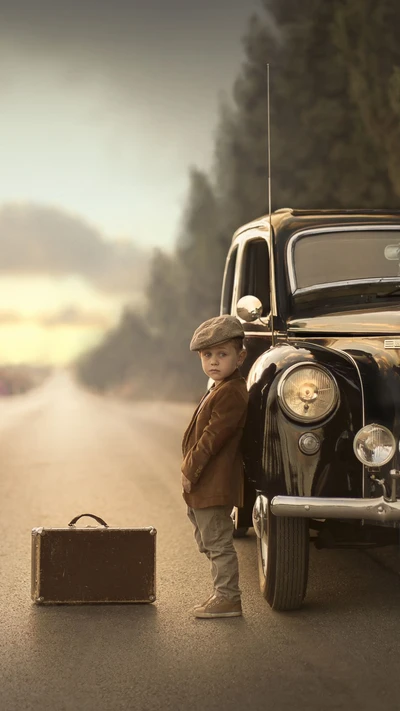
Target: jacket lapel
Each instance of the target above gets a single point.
(193, 420)
(187, 433)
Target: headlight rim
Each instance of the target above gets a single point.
(297, 418)
(370, 465)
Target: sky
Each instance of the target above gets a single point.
(104, 107)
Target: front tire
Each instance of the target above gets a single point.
(283, 553)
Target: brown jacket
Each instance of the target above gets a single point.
(212, 459)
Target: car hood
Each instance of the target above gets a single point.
(371, 321)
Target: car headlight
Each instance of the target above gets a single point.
(307, 393)
(374, 445)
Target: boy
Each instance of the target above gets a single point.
(212, 469)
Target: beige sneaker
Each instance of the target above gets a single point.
(218, 606)
(203, 604)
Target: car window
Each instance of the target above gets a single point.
(255, 272)
(229, 279)
(344, 256)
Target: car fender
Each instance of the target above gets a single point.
(273, 460)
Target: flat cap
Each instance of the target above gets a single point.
(216, 330)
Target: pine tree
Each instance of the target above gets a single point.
(367, 34)
(322, 153)
(199, 249)
(111, 362)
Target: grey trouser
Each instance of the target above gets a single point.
(213, 531)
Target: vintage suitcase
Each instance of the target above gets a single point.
(96, 564)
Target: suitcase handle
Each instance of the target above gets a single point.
(98, 519)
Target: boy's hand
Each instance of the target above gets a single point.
(187, 485)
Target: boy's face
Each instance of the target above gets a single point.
(220, 361)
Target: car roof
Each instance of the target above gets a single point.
(286, 220)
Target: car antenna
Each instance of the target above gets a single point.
(271, 256)
(269, 150)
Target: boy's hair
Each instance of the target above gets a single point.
(237, 343)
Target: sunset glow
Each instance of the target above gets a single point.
(43, 320)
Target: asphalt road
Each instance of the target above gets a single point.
(64, 452)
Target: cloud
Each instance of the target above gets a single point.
(71, 316)
(10, 318)
(40, 240)
(75, 318)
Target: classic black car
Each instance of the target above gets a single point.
(319, 295)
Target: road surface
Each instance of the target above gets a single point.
(63, 452)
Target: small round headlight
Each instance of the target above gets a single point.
(307, 393)
(374, 445)
(309, 443)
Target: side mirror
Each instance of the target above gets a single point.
(249, 308)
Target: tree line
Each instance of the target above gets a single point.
(335, 127)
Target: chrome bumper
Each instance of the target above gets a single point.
(378, 509)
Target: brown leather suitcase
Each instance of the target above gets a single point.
(95, 564)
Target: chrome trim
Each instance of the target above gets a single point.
(368, 323)
(347, 282)
(317, 443)
(259, 514)
(257, 334)
(324, 230)
(379, 509)
(261, 223)
(285, 375)
(392, 343)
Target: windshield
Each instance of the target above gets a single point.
(333, 257)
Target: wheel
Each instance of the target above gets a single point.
(282, 554)
(240, 532)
